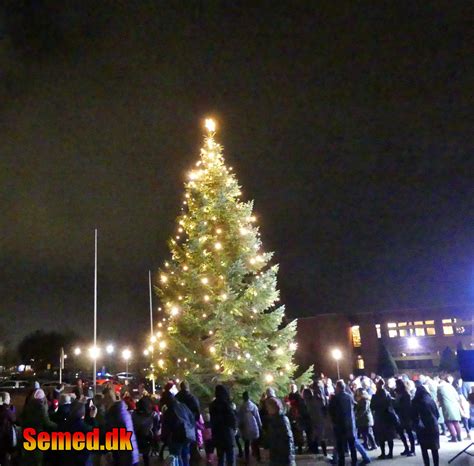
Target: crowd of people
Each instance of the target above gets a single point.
(363, 414)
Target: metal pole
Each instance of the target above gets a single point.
(95, 316)
(151, 327)
(61, 364)
(338, 373)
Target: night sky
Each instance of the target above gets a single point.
(350, 127)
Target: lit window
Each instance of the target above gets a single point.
(392, 333)
(419, 332)
(447, 321)
(448, 330)
(418, 323)
(392, 325)
(402, 332)
(430, 331)
(356, 340)
(429, 322)
(402, 324)
(378, 330)
(360, 363)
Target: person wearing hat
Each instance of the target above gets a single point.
(76, 423)
(35, 415)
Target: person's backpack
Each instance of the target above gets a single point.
(185, 430)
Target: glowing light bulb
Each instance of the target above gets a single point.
(210, 125)
(269, 378)
(218, 246)
(219, 231)
(204, 280)
(77, 351)
(252, 261)
(217, 367)
(206, 298)
(185, 267)
(174, 311)
(243, 231)
(145, 352)
(279, 351)
(164, 279)
(223, 296)
(153, 339)
(212, 349)
(293, 346)
(162, 344)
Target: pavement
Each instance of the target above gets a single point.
(448, 450)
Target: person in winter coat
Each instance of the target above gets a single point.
(281, 444)
(341, 410)
(186, 397)
(403, 408)
(250, 426)
(299, 418)
(75, 423)
(146, 425)
(316, 406)
(35, 415)
(178, 427)
(385, 419)
(425, 417)
(7, 421)
(223, 423)
(449, 402)
(117, 416)
(64, 409)
(465, 407)
(364, 419)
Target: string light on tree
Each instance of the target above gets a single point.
(220, 277)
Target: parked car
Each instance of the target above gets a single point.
(125, 376)
(14, 384)
(53, 384)
(117, 386)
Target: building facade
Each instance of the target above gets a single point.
(414, 337)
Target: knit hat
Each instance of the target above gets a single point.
(39, 394)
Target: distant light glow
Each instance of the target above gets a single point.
(336, 354)
(413, 343)
(109, 349)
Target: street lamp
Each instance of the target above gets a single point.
(126, 354)
(77, 351)
(109, 349)
(337, 355)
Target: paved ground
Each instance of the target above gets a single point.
(447, 451)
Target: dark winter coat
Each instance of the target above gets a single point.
(7, 419)
(186, 397)
(146, 424)
(75, 457)
(118, 417)
(363, 413)
(62, 413)
(425, 417)
(223, 422)
(403, 408)
(178, 424)
(384, 420)
(281, 445)
(341, 410)
(35, 415)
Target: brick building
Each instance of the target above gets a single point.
(415, 338)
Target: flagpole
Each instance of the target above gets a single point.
(151, 327)
(95, 315)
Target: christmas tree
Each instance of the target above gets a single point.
(218, 291)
